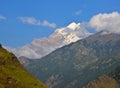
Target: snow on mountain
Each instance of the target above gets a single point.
(63, 36)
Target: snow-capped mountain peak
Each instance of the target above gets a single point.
(74, 25)
(62, 36)
(73, 28)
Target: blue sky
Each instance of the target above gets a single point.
(45, 16)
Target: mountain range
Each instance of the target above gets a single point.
(77, 64)
(62, 36)
(13, 75)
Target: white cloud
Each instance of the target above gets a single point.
(33, 21)
(29, 20)
(23, 51)
(46, 23)
(106, 22)
(2, 18)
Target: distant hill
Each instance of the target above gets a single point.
(76, 64)
(13, 75)
(111, 80)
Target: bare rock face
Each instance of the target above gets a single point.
(63, 36)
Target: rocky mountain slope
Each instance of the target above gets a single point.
(63, 36)
(111, 80)
(13, 75)
(76, 64)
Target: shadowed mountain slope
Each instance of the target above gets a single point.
(76, 64)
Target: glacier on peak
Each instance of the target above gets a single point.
(62, 36)
(73, 25)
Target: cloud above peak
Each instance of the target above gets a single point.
(106, 22)
(47, 24)
(34, 21)
(29, 20)
(2, 18)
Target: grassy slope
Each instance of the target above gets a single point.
(13, 75)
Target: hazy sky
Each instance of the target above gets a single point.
(21, 21)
